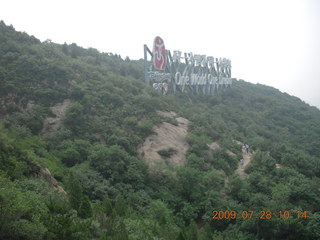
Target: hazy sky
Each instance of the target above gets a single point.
(272, 42)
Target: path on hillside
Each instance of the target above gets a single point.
(240, 170)
(241, 167)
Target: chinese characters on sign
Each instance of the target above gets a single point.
(188, 72)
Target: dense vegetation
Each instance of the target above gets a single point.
(114, 194)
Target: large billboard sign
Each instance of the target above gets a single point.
(185, 72)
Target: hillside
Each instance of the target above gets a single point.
(74, 121)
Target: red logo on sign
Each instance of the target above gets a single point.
(159, 54)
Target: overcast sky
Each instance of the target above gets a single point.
(272, 42)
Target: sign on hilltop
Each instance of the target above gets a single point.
(187, 72)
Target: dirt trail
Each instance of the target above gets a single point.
(246, 160)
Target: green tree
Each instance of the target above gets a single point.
(70, 157)
(120, 206)
(107, 205)
(65, 48)
(21, 213)
(75, 192)
(85, 210)
(75, 118)
(192, 233)
(121, 232)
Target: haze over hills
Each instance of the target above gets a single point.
(79, 131)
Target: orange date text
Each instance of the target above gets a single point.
(263, 214)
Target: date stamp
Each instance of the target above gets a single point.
(249, 214)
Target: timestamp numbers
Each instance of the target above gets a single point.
(249, 214)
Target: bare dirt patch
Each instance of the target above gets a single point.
(166, 114)
(166, 136)
(213, 146)
(59, 110)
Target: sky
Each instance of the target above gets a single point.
(271, 42)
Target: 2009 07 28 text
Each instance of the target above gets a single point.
(263, 214)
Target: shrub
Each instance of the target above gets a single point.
(167, 153)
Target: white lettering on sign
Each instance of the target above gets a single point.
(181, 80)
(196, 73)
(159, 76)
(190, 59)
(212, 79)
(176, 56)
(210, 60)
(200, 60)
(199, 80)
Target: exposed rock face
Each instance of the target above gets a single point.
(59, 110)
(30, 105)
(7, 101)
(46, 175)
(167, 136)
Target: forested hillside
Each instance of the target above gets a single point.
(73, 119)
